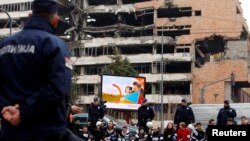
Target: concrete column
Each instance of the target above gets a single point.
(153, 91)
(228, 91)
(154, 67)
(154, 51)
(192, 52)
(82, 69)
(155, 17)
(96, 89)
(119, 2)
(85, 4)
(191, 92)
(169, 111)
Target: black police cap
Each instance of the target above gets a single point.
(184, 100)
(50, 6)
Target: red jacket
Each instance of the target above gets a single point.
(183, 134)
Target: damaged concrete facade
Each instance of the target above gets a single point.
(204, 41)
(19, 11)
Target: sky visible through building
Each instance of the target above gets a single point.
(245, 4)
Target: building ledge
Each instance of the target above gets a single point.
(15, 15)
(140, 58)
(126, 8)
(129, 41)
(156, 98)
(94, 79)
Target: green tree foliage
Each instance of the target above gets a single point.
(119, 66)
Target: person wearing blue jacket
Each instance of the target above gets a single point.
(35, 76)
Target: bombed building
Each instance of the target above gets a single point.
(203, 42)
(16, 13)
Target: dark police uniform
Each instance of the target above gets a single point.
(95, 113)
(145, 114)
(224, 114)
(184, 114)
(35, 72)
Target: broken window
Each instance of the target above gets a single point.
(77, 52)
(138, 19)
(176, 88)
(174, 31)
(93, 70)
(142, 68)
(101, 19)
(178, 67)
(166, 49)
(174, 12)
(93, 51)
(77, 70)
(172, 67)
(122, 25)
(87, 89)
(148, 88)
(136, 49)
(133, 1)
(183, 50)
(244, 34)
(238, 10)
(102, 2)
(136, 33)
(197, 13)
(25, 6)
(209, 46)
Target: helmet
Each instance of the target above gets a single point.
(96, 99)
(55, 1)
(98, 123)
(51, 6)
(149, 124)
(191, 126)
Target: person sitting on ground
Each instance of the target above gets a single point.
(142, 135)
(156, 135)
(230, 121)
(210, 122)
(244, 120)
(110, 133)
(183, 133)
(125, 134)
(169, 132)
(198, 134)
(98, 132)
(85, 135)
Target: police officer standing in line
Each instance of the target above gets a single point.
(184, 114)
(96, 112)
(225, 113)
(145, 114)
(35, 76)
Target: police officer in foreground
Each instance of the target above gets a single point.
(225, 113)
(35, 75)
(184, 114)
(96, 112)
(145, 114)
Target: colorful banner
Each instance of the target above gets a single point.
(122, 92)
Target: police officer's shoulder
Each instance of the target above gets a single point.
(54, 40)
